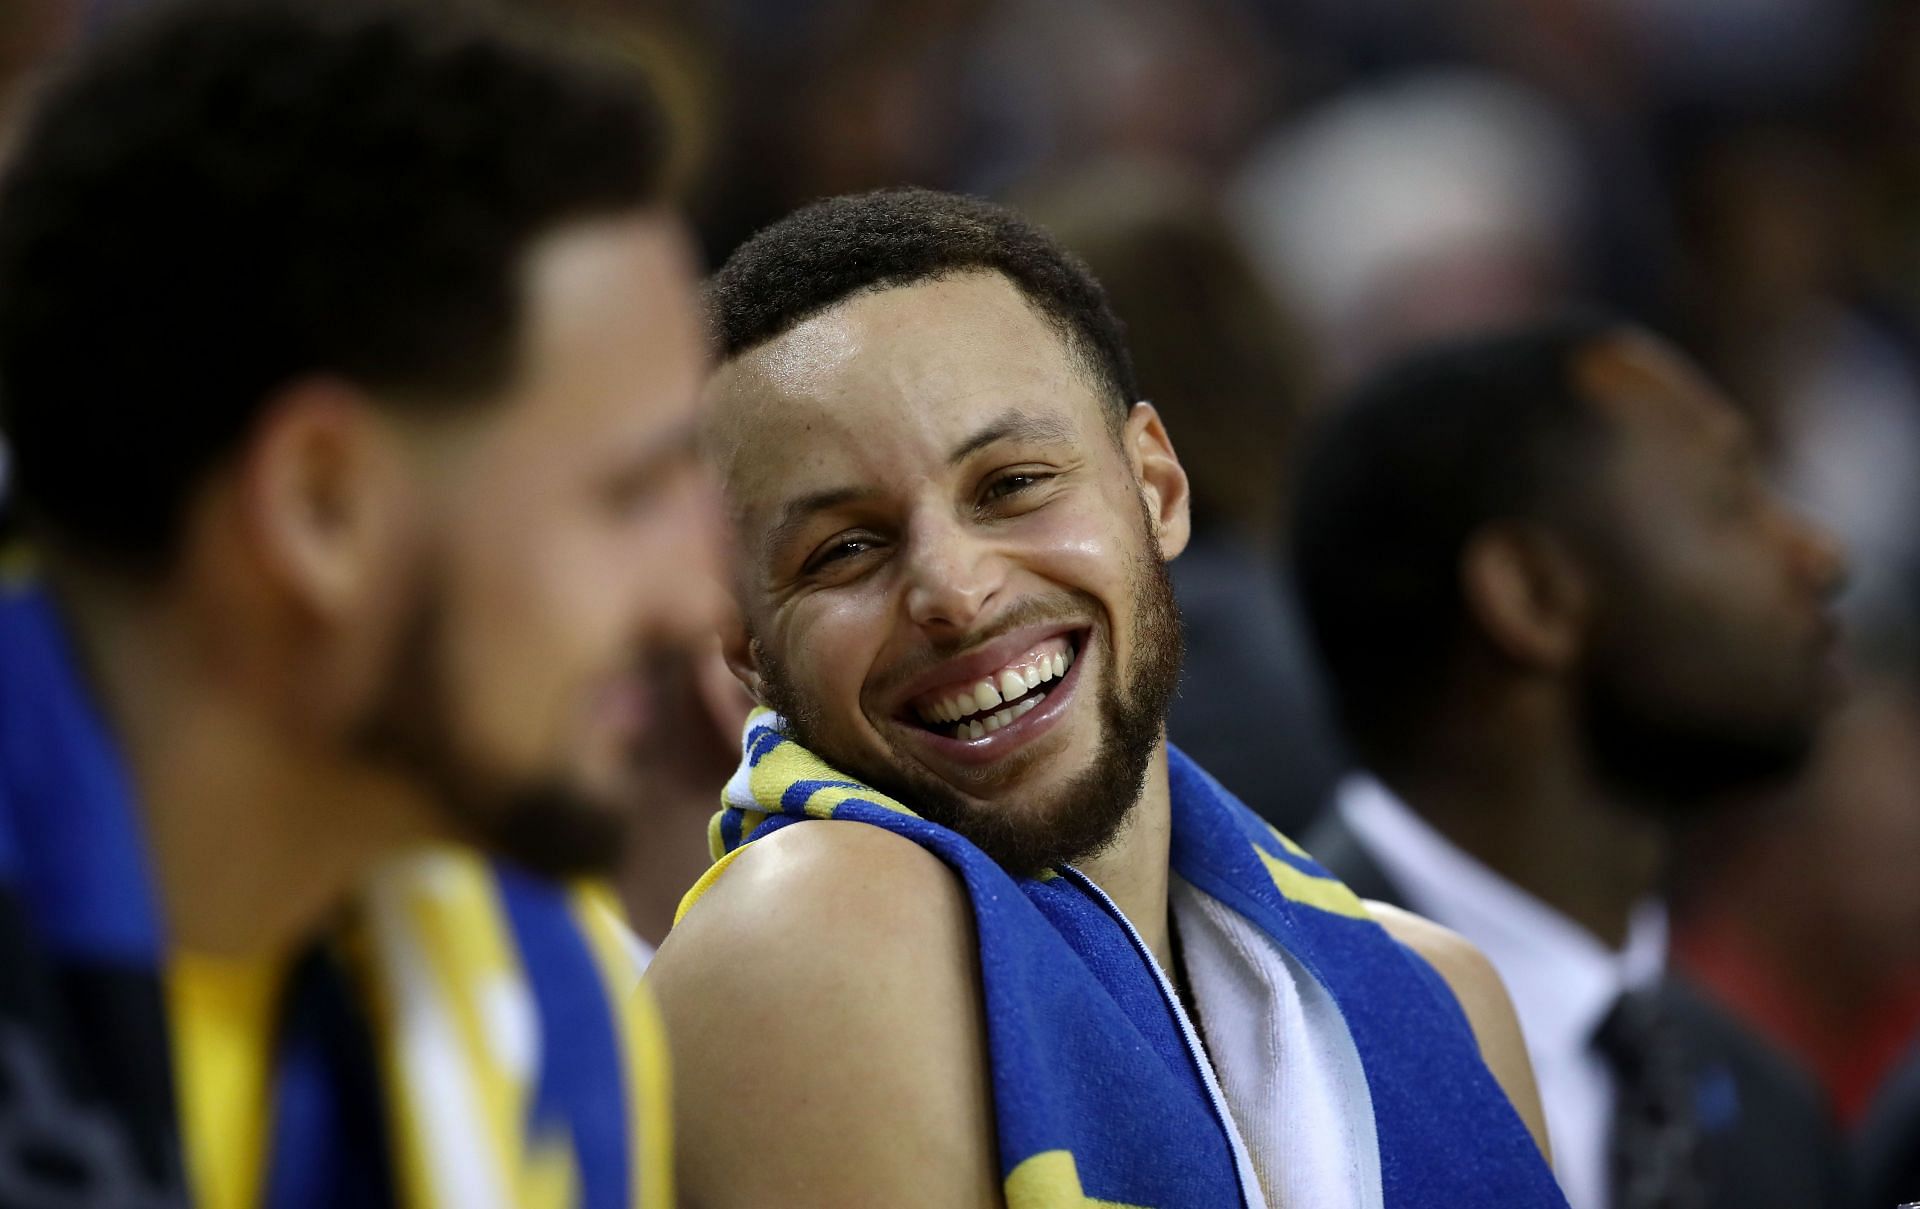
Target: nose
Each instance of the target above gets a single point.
(1820, 555)
(952, 575)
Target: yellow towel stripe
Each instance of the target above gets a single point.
(468, 944)
(1324, 893)
(643, 1049)
(790, 763)
(443, 940)
(749, 819)
(1050, 1180)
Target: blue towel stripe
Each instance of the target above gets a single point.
(578, 1041)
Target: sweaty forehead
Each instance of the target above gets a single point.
(878, 389)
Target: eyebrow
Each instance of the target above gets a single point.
(1012, 423)
(795, 513)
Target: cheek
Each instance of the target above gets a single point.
(826, 646)
(1092, 545)
(531, 608)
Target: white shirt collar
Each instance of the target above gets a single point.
(1563, 980)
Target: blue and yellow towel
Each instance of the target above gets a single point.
(468, 1035)
(1096, 1096)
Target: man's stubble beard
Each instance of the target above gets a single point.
(1676, 761)
(543, 824)
(1087, 814)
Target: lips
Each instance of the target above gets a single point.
(949, 717)
(982, 706)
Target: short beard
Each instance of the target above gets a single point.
(1682, 766)
(1087, 815)
(542, 824)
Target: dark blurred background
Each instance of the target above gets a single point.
(1281, 192)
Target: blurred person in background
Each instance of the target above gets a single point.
(349, 362)
(1800, 313)
(1420, 207)
(1229, 370)
(975, 931)
(1562, 614)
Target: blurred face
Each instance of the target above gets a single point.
(951, 563)
(1713, 656)
(573, 537)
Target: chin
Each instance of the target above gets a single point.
(557, 832)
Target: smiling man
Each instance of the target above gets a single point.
(1022, 951)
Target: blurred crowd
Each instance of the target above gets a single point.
(1281, 194)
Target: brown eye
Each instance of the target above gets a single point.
(838, 550)
(1013, 484)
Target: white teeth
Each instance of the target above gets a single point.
(995, 690)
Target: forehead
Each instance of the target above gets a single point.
(883, 387)
(610, 312)
(1656, 401)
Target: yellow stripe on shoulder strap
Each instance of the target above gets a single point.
(705, 884)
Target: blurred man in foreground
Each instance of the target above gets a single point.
(1560, 608)
(979, 935)
(349, 361)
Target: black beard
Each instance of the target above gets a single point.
(541, 824)
(1086, 816)
(1682, 766)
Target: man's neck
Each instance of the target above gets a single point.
(1134, 870)
(1547, 829)
(255, 834)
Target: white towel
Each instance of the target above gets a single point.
(1285, 1061)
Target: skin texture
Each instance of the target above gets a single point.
(831, 931)
(531, 526)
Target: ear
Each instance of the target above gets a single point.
(741, 653)
(1527, 594)
(1163, 481)
(322, 484)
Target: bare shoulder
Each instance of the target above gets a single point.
(1452, 955)
(829, 980)
(1483, 997)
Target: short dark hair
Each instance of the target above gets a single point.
(1394, 482)
(222, 196)
(832, 250)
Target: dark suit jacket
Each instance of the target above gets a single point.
(1770, 1142)
(1251, 708)
(1889, 1140)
